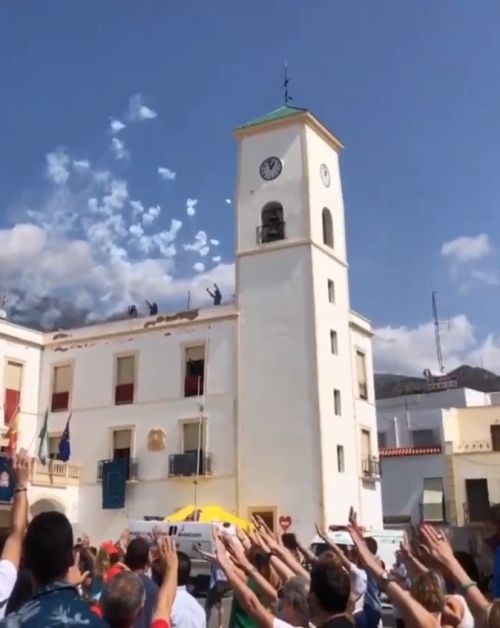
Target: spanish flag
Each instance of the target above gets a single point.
(12, 433)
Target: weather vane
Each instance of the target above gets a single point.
(284, 87)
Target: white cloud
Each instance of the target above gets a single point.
(489, 277)
(58, 166)
(118, 148)
(166, 174)
(411, 350)
(138, 111)
(191, 206)
(151, 215)
(116, 126)
(214, 242)
(81, 165)
(199, 267)
(467, 248)
(216, 258)
(199, 245)
(228, 201)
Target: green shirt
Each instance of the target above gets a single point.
(239, 618)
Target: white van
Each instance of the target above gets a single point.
(188, 536)
(388, 542)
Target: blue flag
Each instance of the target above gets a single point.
(64, 448)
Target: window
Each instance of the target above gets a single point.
(125, 380)
(327, 227)
(333, 342)
(340, 459)
(478, 500)
(382, 440)
(337, 405)
(193, 437)
(12, 381)
(54, 447)
(361, 374)
(122, 448)
(266, 515)
(366, 447)
(194, 380)
(433, 500)
(61, 387)
(331, 291)
(272, 228)
(423, 438)
(495, 437)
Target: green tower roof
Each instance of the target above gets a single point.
(286, 111)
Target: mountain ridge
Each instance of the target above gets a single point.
(394, 385)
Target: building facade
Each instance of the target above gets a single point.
(431, 448)
(261, 406)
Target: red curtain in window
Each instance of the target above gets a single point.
(60, 401)
(124, 393)
(10, 404)
(192, 385)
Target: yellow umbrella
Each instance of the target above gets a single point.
(208, 514)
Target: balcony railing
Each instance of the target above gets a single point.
(370, 468)
(189, 464)
(273, 232)
(476, 513)
(55, 473)
(132, 468)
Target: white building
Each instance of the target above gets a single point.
(289, 424)
(410, 433)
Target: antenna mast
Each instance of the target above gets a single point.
(437, 333)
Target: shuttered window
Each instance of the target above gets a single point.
(361, 373)
(13, 376)
(125, 370)
(191, 436)
(122, 439)
(62, 379)
(365, 445)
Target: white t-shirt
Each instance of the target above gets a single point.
(359, 582)
(8, 578)
(280, 623)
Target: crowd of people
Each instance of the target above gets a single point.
(48, 580)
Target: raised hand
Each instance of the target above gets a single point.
(436, 545)
(21, 468)
(168, 553)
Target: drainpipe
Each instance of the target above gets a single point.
(396, 431)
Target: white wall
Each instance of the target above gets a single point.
(277, 398)
(453, 398)
(403, 482)
(159, 404)
(398, 425)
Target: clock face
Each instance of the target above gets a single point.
(325, 175)
(271, 168)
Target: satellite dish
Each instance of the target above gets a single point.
(3, 314)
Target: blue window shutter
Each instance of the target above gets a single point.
(6, 481)
(114, 483)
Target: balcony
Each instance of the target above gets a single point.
(190, 464)
(476, 513)
(132, 469)
(272, 232)
(55, 473)
(370, 468)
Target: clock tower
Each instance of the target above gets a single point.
(299, 430)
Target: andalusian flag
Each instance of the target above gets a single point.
(43, 445)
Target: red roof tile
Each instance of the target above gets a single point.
(392, 452)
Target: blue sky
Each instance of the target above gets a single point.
(410, 87)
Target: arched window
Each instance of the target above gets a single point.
(327, 227)
(272, 225)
